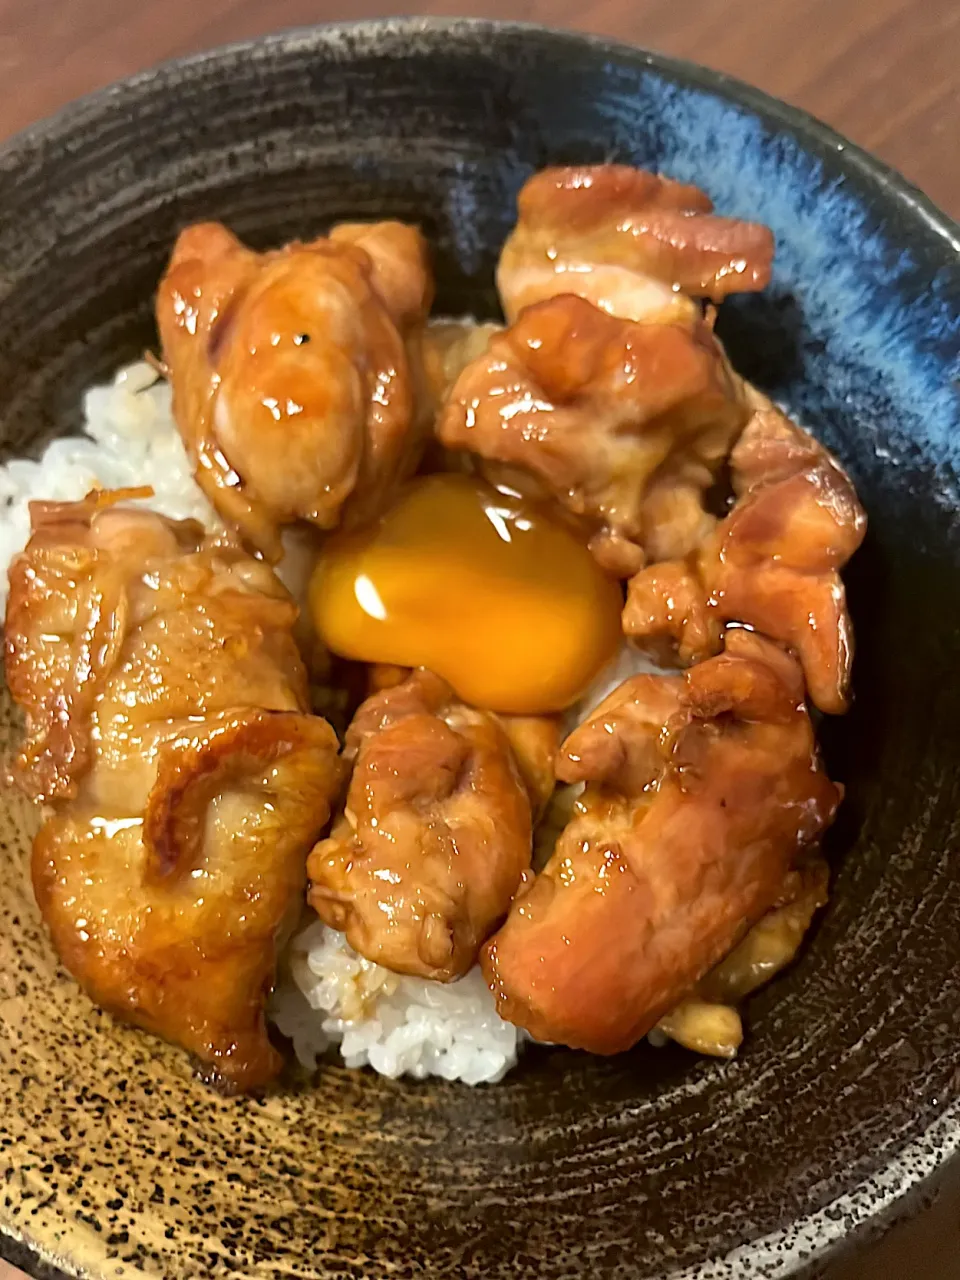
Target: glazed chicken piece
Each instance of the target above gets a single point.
(399, 267)
(535, 741)
(708, 1021)
(384, 675)
(448, 347)
(773, 563)
(422, 864)
(624, 424)
(702, 792)
(703, 1027)
(669, 615)
(774, 940)
(165, 728)
(635, 244)
(296, 374)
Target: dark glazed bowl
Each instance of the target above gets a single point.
(654, 1164)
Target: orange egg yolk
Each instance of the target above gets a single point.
(484, 589)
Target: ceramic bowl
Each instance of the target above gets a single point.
(115, 1162)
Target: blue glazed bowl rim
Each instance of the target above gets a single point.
(854, 158)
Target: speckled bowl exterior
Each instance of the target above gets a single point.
(845, 1099)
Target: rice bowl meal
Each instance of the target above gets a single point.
(415, 687)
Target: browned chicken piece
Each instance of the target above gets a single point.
(701, 793)
(603, 415)
(164, 701)
(535, 741)
(449, 346)
(670, 615)
(385, 675)
(633, 243)
(703, 1027)
(707, 1021)
(399, 267)
(296, 373)
(774, 940)
(422, 864)
(773, 563)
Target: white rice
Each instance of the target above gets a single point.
(129, 438)
(397, 1025)
(329, 995)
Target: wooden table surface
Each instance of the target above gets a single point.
(884, 72)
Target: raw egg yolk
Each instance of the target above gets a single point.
(484, 589)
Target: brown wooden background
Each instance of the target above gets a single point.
(884, 72)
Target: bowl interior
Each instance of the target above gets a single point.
(651, 1162)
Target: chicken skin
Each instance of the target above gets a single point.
(708, 1020)
(623, 424)
(535, 741)
(297, 379)
(702, 791)
(422, 864)
(448, 347)
(166, 730)
(634, 244)
(774, 940)
(773, 563)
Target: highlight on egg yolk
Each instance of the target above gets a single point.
(484, 589)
